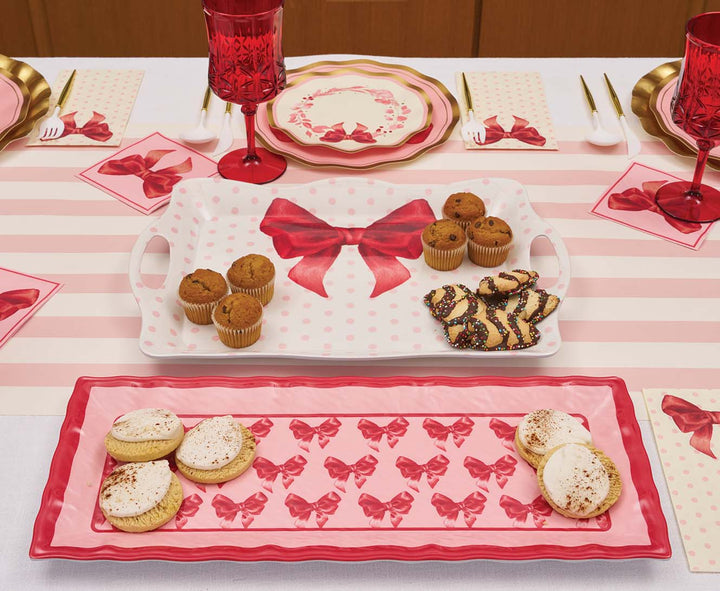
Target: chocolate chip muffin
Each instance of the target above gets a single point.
(253, 274)
(443, 245)
(238, 320)
(199, 293)
(489, 241)
(463, 208)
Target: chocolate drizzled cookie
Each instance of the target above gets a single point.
(452, 303)
(492, 330)
(532, 305)
(506, 283)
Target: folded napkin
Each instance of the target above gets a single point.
(97, 109)
(512, 107)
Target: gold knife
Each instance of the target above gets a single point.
(632, 141)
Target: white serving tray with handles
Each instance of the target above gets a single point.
(211, 222)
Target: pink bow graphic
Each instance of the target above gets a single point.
(302, 510)
(503, 468)
(504, 432)
(515, 510)
(304, 433)
(433, 470)
(375, 509)
(337, 133)
(298, 233)
(261, 428)
(471, 506)
(189, 508)
(94, 128)
(341, 471)
(16, 299)
(460, 429)
(268, 472)
(156, 183)
(692, 419)
(227, 509)
(635, 199)
(520, 131)
(602, 521)
(373, 433)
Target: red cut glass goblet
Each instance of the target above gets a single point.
(246, 67)
(696, 109)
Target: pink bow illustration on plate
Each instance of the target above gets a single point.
(504, 432)
(518, 512)
(433, 469)
(341, 471)
(268, 471)
(261, 428)
(375, 509)
(156, 183)
(374, 433)
(503, 469)
(337, 133)
(303, 510)
(304, 433)
(470, 507)
(459, 430)
(189, 508)
(250, 508)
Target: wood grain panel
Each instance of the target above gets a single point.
(17, 37)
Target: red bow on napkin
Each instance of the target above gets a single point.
(502, 469)
(337, 133)
(189, 508)
(373, 433)
(520, 131)
(16, 299)
(268, 471)
(692, 419)
(156, 183)
(635, 199)
(298, 233)
(433, 469)
(375, 509)
(504, 432)
(460, 429)
(471, 506)
(261, 428)
(302, 510)
(341, 471)
(250, 508)
(515, 510)
(94, 128)
(304, 433)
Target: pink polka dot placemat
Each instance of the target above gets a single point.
(97, 109)
(684, 423)
(513, 108)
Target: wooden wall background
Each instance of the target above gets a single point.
(502, 28)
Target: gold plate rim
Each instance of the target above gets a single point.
(24, 108)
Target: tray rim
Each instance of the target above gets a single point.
(63, 457)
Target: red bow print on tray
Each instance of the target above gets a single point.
(471, 506)
(433, 469)
(515, 510)
(375, 509)
(94, 128)
(261, 428)
(504, 432)
(16, 299)
(460, 429)
(634, 199)
(298, 233)
(503, 469)
(341, 471)
(337, 133)
(692, 419)
(302, 510)
(520, 131)
(189, 508)
(268, 472)
(304, 433)
(250, 508)
(373, 433)
(156, 183)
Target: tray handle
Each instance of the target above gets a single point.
(560, 289)
(138, 287)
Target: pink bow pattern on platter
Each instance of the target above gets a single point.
(268, 472)
(156, 183)
(250, 508)
(504, 432)
(188, 508)
(502, 469)
(304, 433)
(459, 430)
(16, 299)
(261, 428)
(303, 510)
(337, 133)
(518, 512)
(340, 471)
(374, 433)
(375, 509)
(470, 507)
(433, 470)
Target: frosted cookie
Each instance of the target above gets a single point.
(215, 450)
(492, 330)
(140, 497)
(579, 481)
(532, 305)
(506, 283)
(542, 430)
(144, 434)
(453, 303)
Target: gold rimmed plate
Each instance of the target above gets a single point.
(651, 102)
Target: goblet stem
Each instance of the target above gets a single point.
(704, 148)
(249, 111)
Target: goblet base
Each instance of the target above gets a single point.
(676, 200)
(263, 168)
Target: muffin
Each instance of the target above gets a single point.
(542, 430)
(579, 481)
(140, 497)
(215, 450)
(238, 320)
(144, 434)
(463, 208)
(199, 293)
(489, 241)
(253, 274)
(443, 245)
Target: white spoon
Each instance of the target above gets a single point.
(200, 134)
(599, 136)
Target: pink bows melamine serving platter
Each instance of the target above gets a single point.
(350, 275)
(354, 468)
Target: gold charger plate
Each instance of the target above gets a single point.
(644, 105)
(38, 97)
